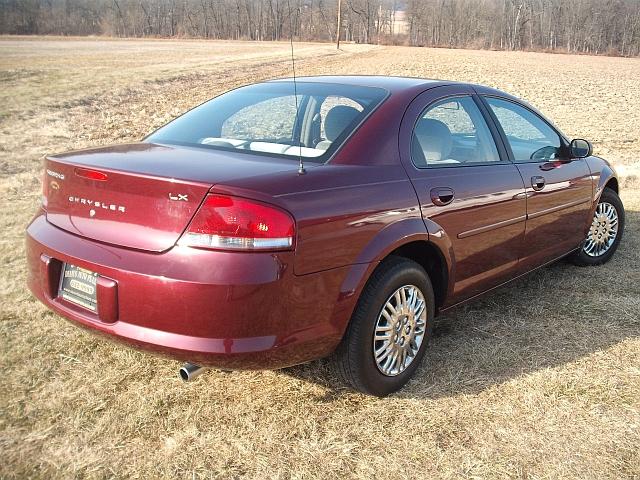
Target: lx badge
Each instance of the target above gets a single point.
(179, 197)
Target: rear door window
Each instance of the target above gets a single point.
(452, 132)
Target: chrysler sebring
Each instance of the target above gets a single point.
(266, 228)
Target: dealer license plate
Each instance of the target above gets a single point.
(78, 286)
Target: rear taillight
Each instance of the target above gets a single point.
(232, 223)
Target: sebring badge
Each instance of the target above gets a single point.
(54, 174)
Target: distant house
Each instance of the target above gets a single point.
(392, 22)
(399, 23)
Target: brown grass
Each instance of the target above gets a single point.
(540, 379)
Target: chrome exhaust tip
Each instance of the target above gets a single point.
(189, 371)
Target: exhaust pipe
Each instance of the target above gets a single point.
(189, 371)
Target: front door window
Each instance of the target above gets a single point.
(531, 139)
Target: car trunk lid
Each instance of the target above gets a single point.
(142, 195)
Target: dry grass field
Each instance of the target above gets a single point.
(539, 380)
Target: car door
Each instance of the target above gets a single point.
(559, 188)
(471, 196)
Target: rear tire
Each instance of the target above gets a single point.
(398, 286)
(602, 241)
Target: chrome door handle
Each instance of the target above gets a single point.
(442, 196)
(537, 183)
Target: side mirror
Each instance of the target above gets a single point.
(580, 148)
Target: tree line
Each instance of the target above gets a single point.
(584, 26)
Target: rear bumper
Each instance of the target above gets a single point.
(224, 309)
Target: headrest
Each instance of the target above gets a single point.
(435, 139)
(337, 119)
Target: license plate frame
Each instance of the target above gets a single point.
(79, 286)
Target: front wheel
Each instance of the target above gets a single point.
(388, 333)
(604, 233)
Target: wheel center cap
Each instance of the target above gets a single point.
(600, 229)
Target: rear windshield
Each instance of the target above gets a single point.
(268, 118)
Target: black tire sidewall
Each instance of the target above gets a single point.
(362, 361)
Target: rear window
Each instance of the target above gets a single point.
(268, 118)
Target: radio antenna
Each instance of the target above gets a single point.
(301, 170)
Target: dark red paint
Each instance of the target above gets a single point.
(279, 308)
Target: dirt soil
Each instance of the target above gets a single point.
(539, 380)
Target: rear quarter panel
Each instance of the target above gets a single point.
(345, 214)
(343, 225)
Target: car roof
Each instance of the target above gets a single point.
(393, 84)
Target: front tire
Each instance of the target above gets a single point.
(389, 329)
(604, 233)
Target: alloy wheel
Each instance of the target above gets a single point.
(603, 231)
(399, 330)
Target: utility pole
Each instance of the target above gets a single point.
(339, 24)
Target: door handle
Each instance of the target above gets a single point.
(442, 196)
(537, 182)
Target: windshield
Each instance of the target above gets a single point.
(262, 118)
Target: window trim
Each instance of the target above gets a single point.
(564, 142)
(503, 154)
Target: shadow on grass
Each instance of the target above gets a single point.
(551, 317)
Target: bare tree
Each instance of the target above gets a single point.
(585, 26)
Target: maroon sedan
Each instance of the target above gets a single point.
(264, 229)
